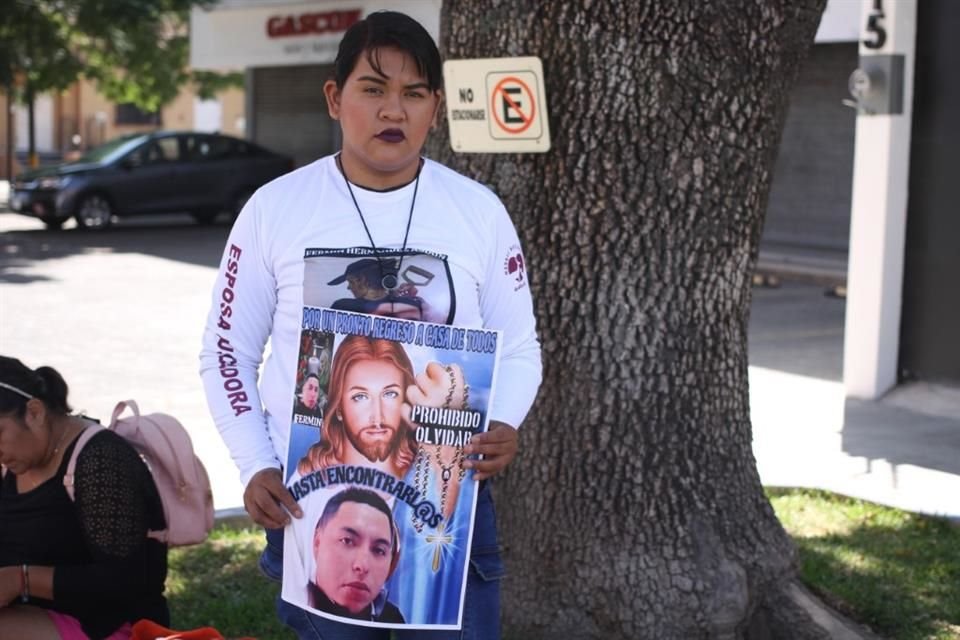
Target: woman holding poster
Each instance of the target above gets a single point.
(437, 248)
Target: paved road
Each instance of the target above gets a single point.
(120, 313)
(902, 450)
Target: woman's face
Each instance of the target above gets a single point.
(21, 448)
(385, 118)
(310, 392)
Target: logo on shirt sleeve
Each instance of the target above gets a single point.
(514, 267)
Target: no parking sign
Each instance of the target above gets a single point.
(497, 105)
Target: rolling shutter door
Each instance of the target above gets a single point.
(290, 112)
(810, 194)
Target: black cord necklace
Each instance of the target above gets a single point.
(389, 279)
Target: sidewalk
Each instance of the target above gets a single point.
(902, 450)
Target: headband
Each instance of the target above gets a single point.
(10, 387)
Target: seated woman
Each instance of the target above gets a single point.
(72, 570)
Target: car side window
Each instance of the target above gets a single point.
(169, 149)
(208, 148)
(220, 148)
(196, 148)
(244, 149)
(155, 152)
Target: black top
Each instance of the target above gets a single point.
(106, 571)
(320, 601)
(316, 412)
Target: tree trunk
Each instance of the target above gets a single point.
(635, 509)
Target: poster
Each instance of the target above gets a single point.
(383, 409)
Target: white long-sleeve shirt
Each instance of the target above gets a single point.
(292, 245)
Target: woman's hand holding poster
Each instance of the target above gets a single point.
(383, 410)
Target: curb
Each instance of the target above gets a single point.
(834, 623)
(822, 273)
(237, 516)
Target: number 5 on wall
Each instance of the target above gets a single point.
(875, 27)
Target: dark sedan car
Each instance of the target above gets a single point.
(159, 172)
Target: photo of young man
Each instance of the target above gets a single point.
(356, 549)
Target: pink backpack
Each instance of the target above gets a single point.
(181, 480)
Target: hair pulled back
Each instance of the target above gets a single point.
(388, 29)
(44, 383)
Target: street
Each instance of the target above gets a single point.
(120, 314)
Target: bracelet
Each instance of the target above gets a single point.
(24, 583)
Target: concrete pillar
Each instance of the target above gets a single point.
(878, 212)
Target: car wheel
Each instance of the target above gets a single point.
(204, 216)
(52, 224)
(93, 212)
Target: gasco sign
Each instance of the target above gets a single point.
(313, 23)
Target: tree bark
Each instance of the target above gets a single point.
(635, 509)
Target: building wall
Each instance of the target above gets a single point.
(44, 115)
(233, 116)
(98, 116)
(179, 113)
(69, 119)
(80, 118)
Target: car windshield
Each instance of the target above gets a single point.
(109, 151)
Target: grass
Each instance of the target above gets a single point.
(217, 584)
(896, 572)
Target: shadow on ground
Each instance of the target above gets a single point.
(173, 237)
(875, 431)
